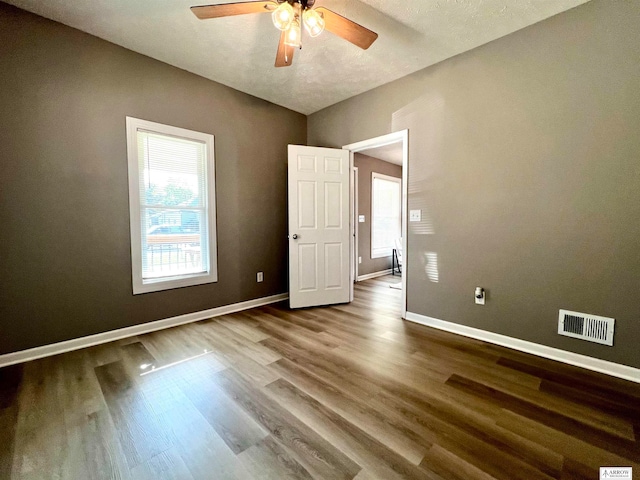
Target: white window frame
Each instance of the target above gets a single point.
(376, 253)
(141, 285)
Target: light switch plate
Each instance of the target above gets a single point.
(361, 218)
(415, 215)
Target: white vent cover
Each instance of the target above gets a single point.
(587, 327)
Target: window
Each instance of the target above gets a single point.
(385, 214)
(172, 206)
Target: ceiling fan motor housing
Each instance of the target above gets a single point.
(305, 3)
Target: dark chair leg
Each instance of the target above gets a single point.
(394, 262)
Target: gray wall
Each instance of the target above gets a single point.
(366, 165)
(524, 157)
(65, 263)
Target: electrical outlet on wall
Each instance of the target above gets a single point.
(260, 277)
(480, 295)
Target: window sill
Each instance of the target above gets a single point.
(169, 283)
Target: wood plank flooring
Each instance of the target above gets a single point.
(341, 392)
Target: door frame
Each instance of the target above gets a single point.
(354, 233)
(401, 136)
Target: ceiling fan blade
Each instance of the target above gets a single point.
(345, 28)
(284, 57)
(229, 9)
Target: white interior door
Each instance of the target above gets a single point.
(319, 228)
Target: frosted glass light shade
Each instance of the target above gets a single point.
(283, 16)
(313, 22)
(293, 36)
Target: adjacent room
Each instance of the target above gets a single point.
(329, 239)
(378, 174)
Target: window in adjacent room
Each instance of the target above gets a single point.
(172, 206)
(385, 214)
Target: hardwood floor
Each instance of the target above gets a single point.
(341, 392)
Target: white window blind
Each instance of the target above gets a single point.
(173, 240)
(385, 214)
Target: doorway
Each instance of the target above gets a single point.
(378, 212)
(394, 148)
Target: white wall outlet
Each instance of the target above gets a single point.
(359, 259)
(260, 277)
(415, 215)
(361, 218)
(480, 295)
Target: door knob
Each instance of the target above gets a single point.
(295, 236)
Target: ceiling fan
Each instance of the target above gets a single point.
(289, 16)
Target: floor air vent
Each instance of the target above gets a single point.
(587, 327)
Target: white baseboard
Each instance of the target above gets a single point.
(590, 363)
(110, 336)
(368, 276)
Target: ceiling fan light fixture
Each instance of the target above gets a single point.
(283, 16)
(313, 22)
(288, 16)
(293, 36)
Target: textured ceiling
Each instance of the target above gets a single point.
(391, 153)
(240, 51)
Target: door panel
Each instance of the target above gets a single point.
(308, 267)
(333, 265)
(333, 205)
(319, 226)
(308, 205)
